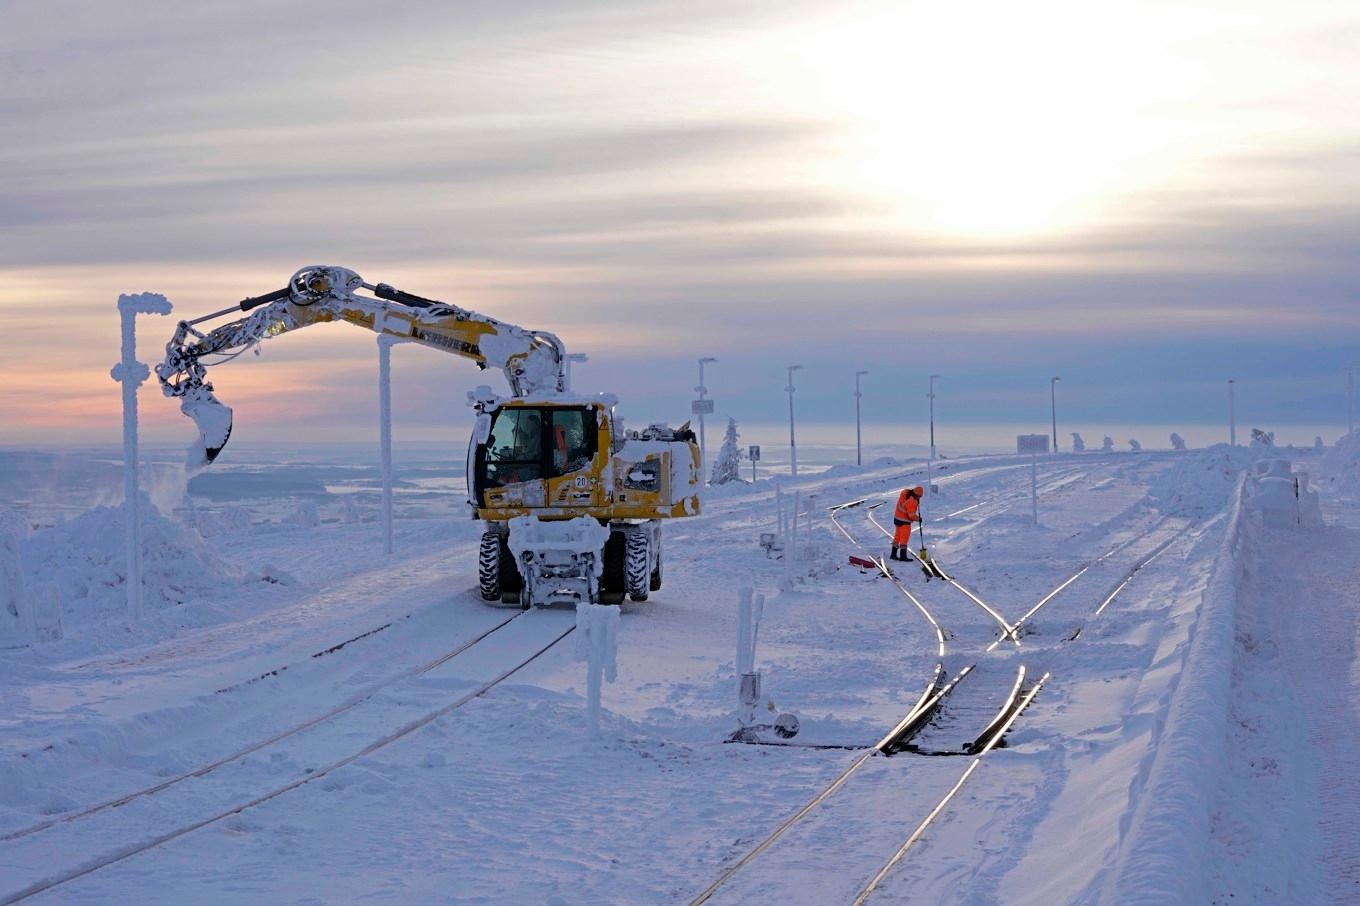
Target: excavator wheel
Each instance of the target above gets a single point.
(655, 584)
(489, 566)
(613, 577)
(638, 577)
(511, 581)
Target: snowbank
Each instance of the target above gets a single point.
(1341, 468)
(85, 560)
(1166, 845)
(1202, 481)
(16, 609)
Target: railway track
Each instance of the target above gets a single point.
(911, 734)
(480, 663)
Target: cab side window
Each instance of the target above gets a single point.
(572, 441)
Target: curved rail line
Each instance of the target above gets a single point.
(913, 721)
(348, 704)
(992, 735)
(127, 852)
(1007, 630)
(1000, 733)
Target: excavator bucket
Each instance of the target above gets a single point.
(214, 423)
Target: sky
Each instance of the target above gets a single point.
(1145, 199)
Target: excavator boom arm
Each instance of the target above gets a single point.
(533, 361)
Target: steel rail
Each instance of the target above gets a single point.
(127, 852)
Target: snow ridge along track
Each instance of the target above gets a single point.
(539, 647)
(347, 705)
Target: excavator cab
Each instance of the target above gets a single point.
(540, 454)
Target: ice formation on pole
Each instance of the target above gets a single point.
(132, 374)
(727, 467)
(597, 643)
(385, 344)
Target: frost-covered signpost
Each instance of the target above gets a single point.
(132, 374)
(1034, 445)
(597, 643)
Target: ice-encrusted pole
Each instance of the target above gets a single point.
(132, 374)
(750, 607)
(385, 344)
(597, 643)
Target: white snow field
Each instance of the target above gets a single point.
(301, 719)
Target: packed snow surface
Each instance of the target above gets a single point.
(315, 676)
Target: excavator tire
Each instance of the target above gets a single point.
(511, 581)
(489, 566)
(638, 576)
(655, 584)
(613, 577)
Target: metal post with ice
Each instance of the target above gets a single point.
(385, 344)
(701, 407)
(597, 643)
(750, 609)
(132, 374)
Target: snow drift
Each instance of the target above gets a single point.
(1202, 481)
(85, 560)
(1168, 832)
(1341, 466)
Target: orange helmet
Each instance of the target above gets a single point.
(918, 491)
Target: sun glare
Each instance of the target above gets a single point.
(1007, 121)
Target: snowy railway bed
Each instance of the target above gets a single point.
(858, 657)
(973, 729)
(398, 715)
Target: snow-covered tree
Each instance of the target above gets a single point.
(1134, 445)
(1317, 443)
(1108, 444)
(1177, 442)
(727, 466)
(1078, 445)
(1261, 438)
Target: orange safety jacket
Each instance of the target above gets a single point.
(908, 509)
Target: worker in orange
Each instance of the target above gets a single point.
(908, 511)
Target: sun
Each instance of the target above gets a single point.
(961, 120)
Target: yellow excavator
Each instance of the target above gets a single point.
(571, 502)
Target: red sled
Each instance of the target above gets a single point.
(863, 562)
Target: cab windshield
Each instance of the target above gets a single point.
(528, 443)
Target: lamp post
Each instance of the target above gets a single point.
(1350, 401)
(930, 460)
(701, 390)
(1053, 398)
(859, 444)
(793, 444)
(1232, 413)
